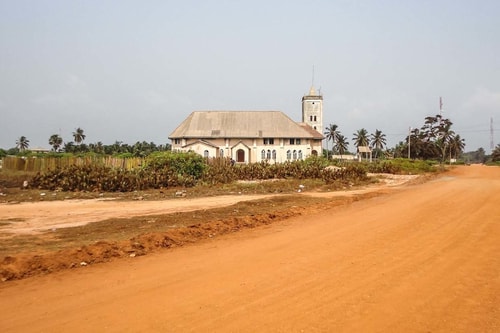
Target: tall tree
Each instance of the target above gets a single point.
(55, 141)
(69, 147)
(341, 145)
(361, 138)
(22, 143)
(444, 136)
(378, 141)
(457, 145)
(331, 133)
(495, 154)
(78, 135)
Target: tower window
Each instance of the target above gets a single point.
(314, 118)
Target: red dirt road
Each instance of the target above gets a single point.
(422, 259)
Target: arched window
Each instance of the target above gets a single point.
(205, 153)
(268, 154)
(222, 152)
(288, 155)
(263, 154)
(274, 154)
(300, 154)
(294, 154)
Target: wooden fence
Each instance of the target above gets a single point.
(42, 164)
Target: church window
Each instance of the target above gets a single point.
(294, 154)
(274, 154)
(205, 153)
(222, 153)
(269, 141)
(268, 154)
(300, 154)
(263, 154)
(288, 155)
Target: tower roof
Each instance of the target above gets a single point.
(312, 91)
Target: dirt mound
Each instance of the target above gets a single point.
(187, 229)
(24, 265)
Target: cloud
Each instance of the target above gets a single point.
(155, 98)
(483, 100)
(75, 82)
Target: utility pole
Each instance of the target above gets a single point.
(409, 141)
(492, 140)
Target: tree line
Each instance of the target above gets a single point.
(139, 149)
(435, 139)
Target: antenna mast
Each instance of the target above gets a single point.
(313, 77)
(492, 141)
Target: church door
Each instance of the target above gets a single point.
(240, 156)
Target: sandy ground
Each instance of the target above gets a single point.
(35, 217)
(424, 258)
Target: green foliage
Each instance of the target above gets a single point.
(495, 154)
(160, 170)
(167, 169)
(352, 173)
(190, 163)
(401, 166)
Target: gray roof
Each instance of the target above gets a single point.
(242, 124)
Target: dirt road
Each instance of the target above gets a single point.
(35, 217)
(423, 259)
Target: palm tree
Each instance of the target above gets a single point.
(78, 135)
(361, 138)
(457, 145)
(378, 141)
(444, 136)
(55, 141)
(495, 154)
(22, 143)
(331, 134)
(69, 147)
(341, 144)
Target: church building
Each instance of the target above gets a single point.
(253, 136)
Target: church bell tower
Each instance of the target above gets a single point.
(312, 110)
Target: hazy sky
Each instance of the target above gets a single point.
(133, 70)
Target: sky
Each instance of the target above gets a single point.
(132, 71)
